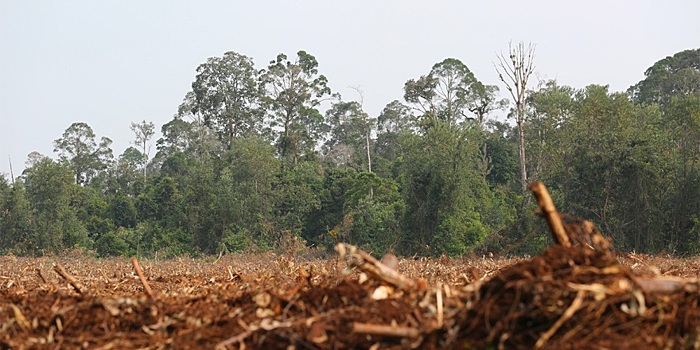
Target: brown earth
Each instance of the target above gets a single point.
(266, 301)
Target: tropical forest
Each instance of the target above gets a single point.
(271, 158)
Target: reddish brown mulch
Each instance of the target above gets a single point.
(565, 298)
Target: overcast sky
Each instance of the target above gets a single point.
(111, 63)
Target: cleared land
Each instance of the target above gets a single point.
(269, 301)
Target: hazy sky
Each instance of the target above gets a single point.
(111, 63)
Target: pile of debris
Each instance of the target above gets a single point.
(575, 295)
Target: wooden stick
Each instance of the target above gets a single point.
(73, 282)
(380, 329)
(549, 211)
(149, 291)
(368, 264)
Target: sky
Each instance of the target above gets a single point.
(112, 63)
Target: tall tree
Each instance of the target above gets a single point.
(677, 75)
(204, 140)
(349, 141)
(79, 148)
(127, 176)
(444, 94)
(483, 100)
(514, 71)
(294, 91)
(33, 158)
(396, 118)
(143, 132)
(368, 125)
(227, 95)
(176, 137)
(183, 138)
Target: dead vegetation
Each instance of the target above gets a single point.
(576, 294)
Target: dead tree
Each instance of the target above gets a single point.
(514, 71)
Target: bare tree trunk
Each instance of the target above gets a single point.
(145, 159)
(514, 71)
(521, 154)
(369, 160)
(12, 174)
(369, 156)
(368, 131)
(143, 132)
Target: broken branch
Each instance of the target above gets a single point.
(549, 211)
(73, 282)
(146, 286)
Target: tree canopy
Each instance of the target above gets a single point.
(270, 159)
(673, 76)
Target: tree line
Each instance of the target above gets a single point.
(273, 159)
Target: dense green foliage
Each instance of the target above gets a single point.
(251, 163)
